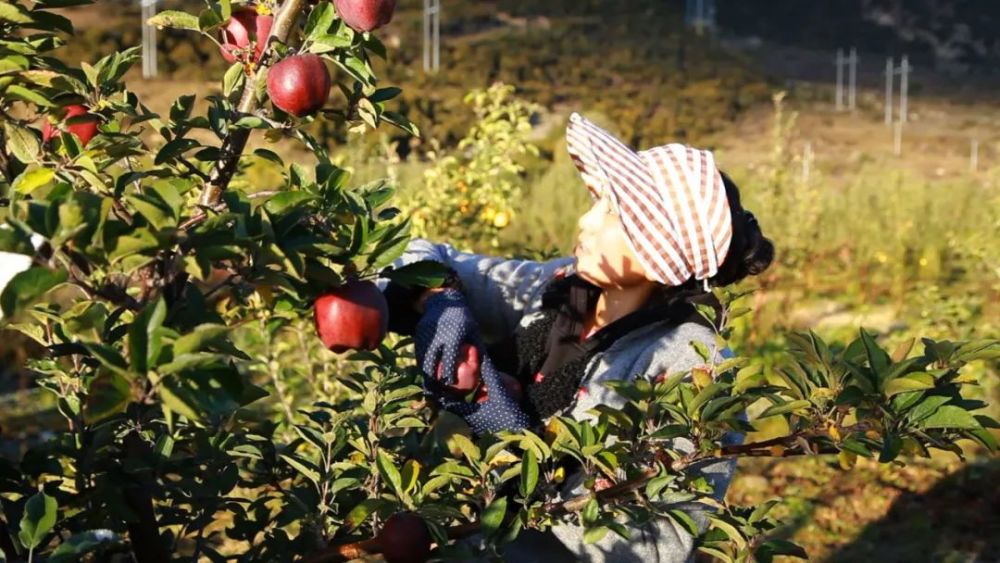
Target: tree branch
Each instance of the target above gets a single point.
(235, 142)
(357, 549)
(147, 544)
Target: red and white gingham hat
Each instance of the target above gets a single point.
(670, 199)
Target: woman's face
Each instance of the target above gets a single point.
(603, 256)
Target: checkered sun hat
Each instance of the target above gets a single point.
(671, 201)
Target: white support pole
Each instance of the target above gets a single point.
(852, 100)
(904, 89)
(149, 69)
(890, 79)
(974, 156)
(437, 35)
(432, 35)
(840, 79)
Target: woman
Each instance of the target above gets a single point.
(665, 227)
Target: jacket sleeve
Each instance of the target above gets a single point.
(499, 290)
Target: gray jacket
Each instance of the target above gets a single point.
(504, 294)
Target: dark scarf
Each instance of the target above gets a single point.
(551, 344)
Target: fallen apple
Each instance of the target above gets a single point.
(404, 538)
(299, 84)
(365, 15)
(245, 28)
(354, 316)
(84, 131)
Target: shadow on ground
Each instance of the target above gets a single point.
(956, 520)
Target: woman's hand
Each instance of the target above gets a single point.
(499, 410)
(446, 325)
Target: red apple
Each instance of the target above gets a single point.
(299, 85)
(352, 317)
(365, 15)
(509, 382)
(467, 373)
(84, 131)
(245, 27)
(405, 539)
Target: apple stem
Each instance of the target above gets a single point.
(236, 141)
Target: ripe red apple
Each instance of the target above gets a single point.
(84, 131)
(467, 373)
(365, 15)
(299, 85)
(405, 539)
(245, 27)
(354, 316)
(509, 382)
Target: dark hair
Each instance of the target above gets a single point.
(750, 252)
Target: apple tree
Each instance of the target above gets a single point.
(149, 265)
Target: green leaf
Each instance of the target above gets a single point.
(108, 356)
(174, 149)
(39, 517)
(425, 273)
(388, 470)
(784, 408)
(768, 549)
(911, 382)
(529, 473)
(360, 513)
(174, 19)
(891, 446)
(306, 469)
(81, 544)
(492, 517)
(595, 534)
(730, 530)
(107, 395)
(18, 92)
(233, 79)
(33, 179)
(21, 141)
(950, 416)
(685, 520)
(385, 94)
(144, 341)
(926, 407)
(16, 241)
(204, 393)
(320, 20)
(409, 475)
(27, 287)
(878, 360)
(142, 240)
(14, 13)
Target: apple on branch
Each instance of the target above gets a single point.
(84, 130)
(404, 538)
(365, 15)
(246, 27)
(354, 316)
(299, 85)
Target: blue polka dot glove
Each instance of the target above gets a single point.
(446, 324)
(501, 409)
